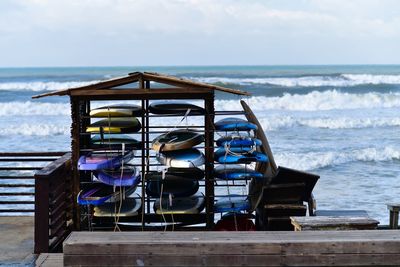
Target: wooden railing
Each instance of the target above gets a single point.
(53, 205)
(17, 180)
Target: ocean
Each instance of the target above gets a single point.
(340, 122)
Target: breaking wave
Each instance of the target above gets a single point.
(37, 129)
(315, 160)
(313, 101)
(316, 100)
(43, 86)
(279, 122)
(343, 80)
(30, 108)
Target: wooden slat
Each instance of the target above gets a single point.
(140, 93)
(320, 248)
(50, 260)
(25, 159)
(17, 185)
(31, 154)
(333, 223)
(49, 169)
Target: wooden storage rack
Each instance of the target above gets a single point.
(176, 89)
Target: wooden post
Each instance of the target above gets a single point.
(41, 215)
(75, 139)
(394, 210)
(209, 153)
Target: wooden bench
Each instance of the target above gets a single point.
(333, 223)
(354, 213)
(320, 248)
(394, 210)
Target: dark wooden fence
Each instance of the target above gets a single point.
(39, 184)
(17, 180)
(53, 205)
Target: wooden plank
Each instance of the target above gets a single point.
(235, 260)
(101, 85)
(142, 93)
(320, 248)
(175, 81)
(333, 223)
(259, 236)
(50, 260)
(335, 213)
(172, 260)
(31, 154)
(49, 169)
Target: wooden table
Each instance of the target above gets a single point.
(394, 210)
(333, 223)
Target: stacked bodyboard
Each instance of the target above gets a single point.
(237, 148)
(176, 187)
(112, 194)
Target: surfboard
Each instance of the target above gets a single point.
(176, 186)
(118, 110)
(232, 203)
(121, 177)
(269, 168)
(113, 139)
(97, 194)
(130, 207)
(238, 141)
(100, 161)
(186, 158)
(233, 172)
(174, 108)
(186, 205)
(241, 156)
(177, 140)
(115, 125)
(234, 124)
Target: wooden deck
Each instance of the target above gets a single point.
(310, 248)
(50, 260)
(16, 240)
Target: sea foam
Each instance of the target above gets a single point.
(43, 86)
(316, 100)
(343, 80)
(36, 129)
(313, 101)
(315, 160)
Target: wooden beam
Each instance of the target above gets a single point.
(143, 93)
(101, 85)
(185, 83)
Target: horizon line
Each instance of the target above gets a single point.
(200, 65)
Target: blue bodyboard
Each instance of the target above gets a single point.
(233, 172)
(242, 157)
(234, 124)
(232, 203)
(238, 141)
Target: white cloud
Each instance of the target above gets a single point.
(210, 32)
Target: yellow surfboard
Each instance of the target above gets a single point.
(115, 125)
(116, 111)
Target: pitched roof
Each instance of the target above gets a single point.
(141, 77)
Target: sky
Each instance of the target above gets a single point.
(198, 32)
